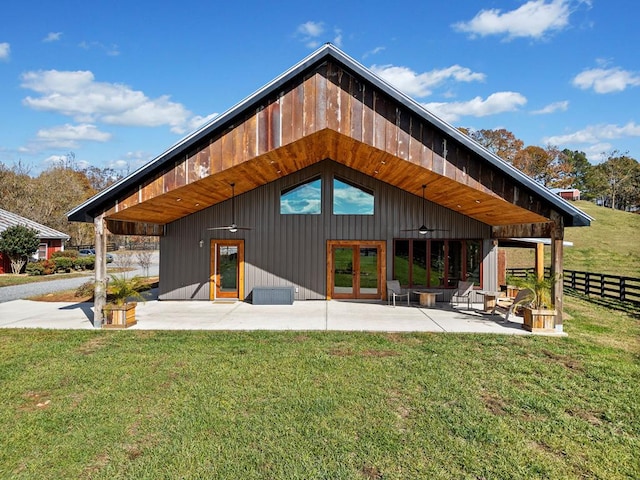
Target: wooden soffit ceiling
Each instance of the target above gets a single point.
(330, 114)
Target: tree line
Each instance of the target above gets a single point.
(613, 183)
(47, 197)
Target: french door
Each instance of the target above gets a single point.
(227, 269)
(355, 269)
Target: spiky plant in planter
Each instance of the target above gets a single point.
(539, 315)
(120, 311)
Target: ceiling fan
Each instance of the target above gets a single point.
(233, 228)
(423, 230)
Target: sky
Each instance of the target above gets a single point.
(117, 83)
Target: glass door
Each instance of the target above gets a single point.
(355, 269)
(228, 265)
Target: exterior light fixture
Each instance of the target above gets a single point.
(201, 243)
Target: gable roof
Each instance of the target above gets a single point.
(8, 219)
(106, 199)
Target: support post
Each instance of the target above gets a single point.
(540, 260)
(557, 276)
(100, 292)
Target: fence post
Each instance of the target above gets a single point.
(622, 289)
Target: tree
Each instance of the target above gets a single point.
(618, 179)
(580, 169)
(18, 243)
(501, 142)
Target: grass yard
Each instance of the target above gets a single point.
(135, 404)
(10, 279)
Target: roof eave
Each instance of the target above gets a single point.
(572, 215)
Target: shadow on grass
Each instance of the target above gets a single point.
(631, 308)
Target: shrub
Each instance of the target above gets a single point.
(65, 254)
(84, 263)
(35, 268)
(49, 267)
(63, 263)
(87, 289)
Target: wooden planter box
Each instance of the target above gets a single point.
(539, 320)
(119, 316)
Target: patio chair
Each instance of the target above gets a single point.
(463, 293)
(524, 297)
(394, 290)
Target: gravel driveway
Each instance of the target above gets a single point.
(16, 292)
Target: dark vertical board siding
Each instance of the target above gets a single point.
(283, 250)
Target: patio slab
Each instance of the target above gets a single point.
(302, 315)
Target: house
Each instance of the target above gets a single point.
(322, 182)
(50, 240)
(567, 193)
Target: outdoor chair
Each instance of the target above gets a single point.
(394, 290)
(463, 293)
(524, 297)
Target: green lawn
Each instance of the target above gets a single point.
(135, 404)
(9, 279)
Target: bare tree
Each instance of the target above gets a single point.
(144, 260)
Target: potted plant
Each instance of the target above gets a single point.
(120, 311)
(539, 315)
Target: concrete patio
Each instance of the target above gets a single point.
(302, 315)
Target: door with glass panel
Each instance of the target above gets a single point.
(227, 279)
(355, 269)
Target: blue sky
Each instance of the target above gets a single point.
(119, 82)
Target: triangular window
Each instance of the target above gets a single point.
(351, 199)
(302, 199)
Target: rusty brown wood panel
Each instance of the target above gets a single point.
(181, 173)
(345, 102)
(368, 115)
(250, 131)
(275, 128)
(287, 121)
(297, 112)
(215, 162)
(356, 107)
(239, 144)
(309, 105)
(403, 131)
(228, 151)
(379, 122)
(321, 99)
(262, 131)
(333, 108)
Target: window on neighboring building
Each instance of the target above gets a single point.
(302, 199)
(351, 199)
(436, 263)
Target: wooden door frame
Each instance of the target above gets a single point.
(213, 253)
(381, 245)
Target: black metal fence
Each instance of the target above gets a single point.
(625, 289)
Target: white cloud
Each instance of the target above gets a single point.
(111, 50)
(5, 51)
(78, 95)
(596, 134)
(52, 37)
(69, 136)
(421, 85)
(477, 107)
(375, 51)
(311, 29)
(337, 40)
(606, 80)
(552, 108)
(309, 32)
(533, 19)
